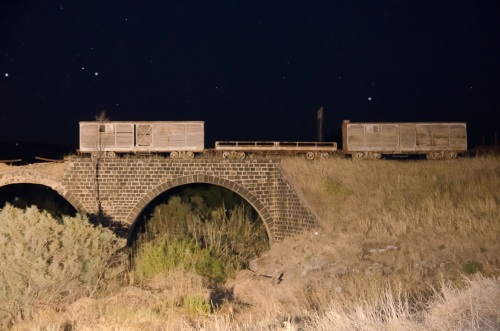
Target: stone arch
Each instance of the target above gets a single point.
(38, 178)
(261, 208)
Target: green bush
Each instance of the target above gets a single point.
(472, 267)
(162, 257)
(195, 305)
(45, 262)
(220, 241)
(171, 218)
(336, 188)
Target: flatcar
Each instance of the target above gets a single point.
(179, 139)
(435, 140)
(242, 149)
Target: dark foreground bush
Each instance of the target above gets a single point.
(48, 263)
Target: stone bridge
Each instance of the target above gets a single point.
(121, 188)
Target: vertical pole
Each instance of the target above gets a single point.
(320, 124)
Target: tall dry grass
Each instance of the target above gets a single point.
(408, 245)
(444, 211)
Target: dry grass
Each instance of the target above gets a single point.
(434, 211)
(409, 245)
(55, 170)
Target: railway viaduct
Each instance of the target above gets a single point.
(121, 188)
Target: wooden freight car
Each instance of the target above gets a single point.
(241, 149)
(435, 140)
(180, 139)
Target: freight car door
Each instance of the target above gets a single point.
(407, 137)
(144, 135)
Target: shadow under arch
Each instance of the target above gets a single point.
(37, 178)
(259, 207)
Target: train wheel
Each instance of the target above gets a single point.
(451, 155)
(310, 155)
(375, 156)
(226, 155)
(111, 155)
(241, 155)
(174, 155)
(358, 155)
(190, 155)
(324, 155)
(435, 155)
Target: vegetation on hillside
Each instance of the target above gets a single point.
(409, 245)
(49, 264)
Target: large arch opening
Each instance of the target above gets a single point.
(204, 198)
(202, 228)
(205, 231)
(43, 197)
(261, 209)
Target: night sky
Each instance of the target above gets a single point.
(252, 70)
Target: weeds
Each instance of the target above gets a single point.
(214, 242)
(47, 263)
(196, 305)
(164, 256)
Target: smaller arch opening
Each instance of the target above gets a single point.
(43, 197)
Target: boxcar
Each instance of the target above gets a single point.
(435, 140)
(240, 149)
(180, 139)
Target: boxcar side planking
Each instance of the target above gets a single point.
(180, 139)
(435, 140)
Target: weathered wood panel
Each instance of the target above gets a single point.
(404, 138)
(158, 136)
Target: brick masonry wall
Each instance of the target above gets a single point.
(121, 188)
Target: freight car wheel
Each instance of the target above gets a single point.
(310, 155)
(375, 156)
(174, 155)
(111, 155)
(324, 155)
(190, 155)
(226, 155)
(241, 155)
(451, 155)
(358, 155)
(435, 155)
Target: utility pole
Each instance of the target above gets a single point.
(320, 124)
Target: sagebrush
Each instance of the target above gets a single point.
(50, 263)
